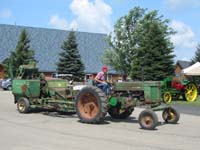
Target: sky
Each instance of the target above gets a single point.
(99, 16)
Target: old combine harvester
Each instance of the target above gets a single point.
(32, 90)
(173, 89)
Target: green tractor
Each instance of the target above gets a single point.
(32, 90)
(173, 89)
(92, 104)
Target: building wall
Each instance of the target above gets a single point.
(1, 71)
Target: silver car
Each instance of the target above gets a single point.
(6, 84)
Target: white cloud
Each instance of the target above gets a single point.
(184, 37)
(92, 16)
(61, 23)
(89, 16)
(182, 4)
(5, 13)
(184, 40)
(73, 25)
(57, 22)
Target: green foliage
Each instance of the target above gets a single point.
(20, 56)
(70, 59)
(196, 58)
(5, 65)
(141, 40)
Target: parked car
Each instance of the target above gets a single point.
(0, 83)
(6, 84)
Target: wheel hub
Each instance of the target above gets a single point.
(88, 105)
(21, 106)
(191, 92)
(147, 120)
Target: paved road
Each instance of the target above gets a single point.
(188, 109)
(51, 131)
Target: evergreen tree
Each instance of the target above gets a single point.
(155, 51)
(196, 58)
(70, 59)
(140, 41)
(21, 55)
(5, 65)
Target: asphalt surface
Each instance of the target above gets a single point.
(187, 109)
(53, 131)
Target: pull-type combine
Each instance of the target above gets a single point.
(31, 90)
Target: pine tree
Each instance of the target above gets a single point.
(155, 51)
(196, 58)
(21, 55)
(5, 64)
(70, 59)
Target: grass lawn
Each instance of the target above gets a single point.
(181, 101)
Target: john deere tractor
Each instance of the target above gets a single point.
(173, 89)
(92, 104)
(32, 90)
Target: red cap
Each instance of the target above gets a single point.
(104, 68)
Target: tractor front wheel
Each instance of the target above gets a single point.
(170, 115)
(148, 120)
(117, 113)
(91, 105)
(167, 97)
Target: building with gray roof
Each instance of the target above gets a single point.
(183, 64)
(47, 45)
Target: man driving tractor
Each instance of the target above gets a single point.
(101, 80)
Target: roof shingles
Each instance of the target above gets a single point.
(184, 64)
(47, 42)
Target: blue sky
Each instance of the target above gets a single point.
(100, 16)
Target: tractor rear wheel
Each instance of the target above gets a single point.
(170, 115)
(167, 97)
(23, 105)
(117, 113)
(148, 119)
(191, 92)
(91, 105)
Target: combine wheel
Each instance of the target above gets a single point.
(170, 115)
(23, 105)
(167, 97)
(116, 113)
(148, 120)
(191, 92)
(91, 105)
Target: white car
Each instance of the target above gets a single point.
(6, 84)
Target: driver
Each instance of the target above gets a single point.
(100, 80)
